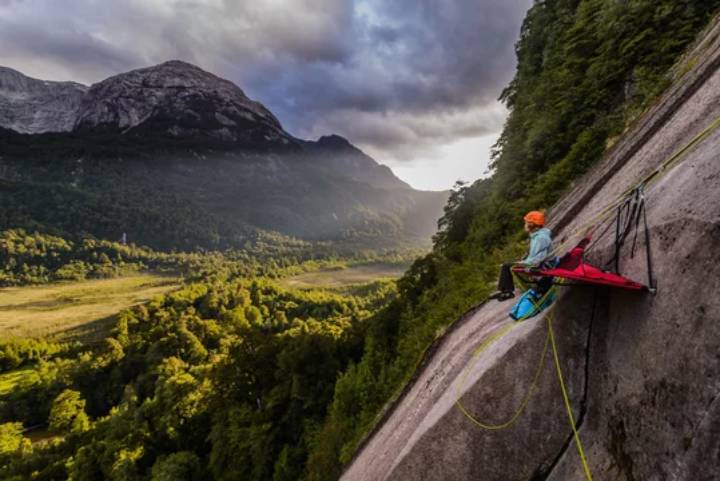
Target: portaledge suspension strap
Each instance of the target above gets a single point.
(628, 217)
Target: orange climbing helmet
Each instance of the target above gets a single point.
(535, 217)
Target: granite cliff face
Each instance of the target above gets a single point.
(173, 99)
(180, 100)
(642, 370)
(31, 106)
(178, 158)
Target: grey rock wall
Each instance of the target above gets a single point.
(31, 106)
(655, 376)
(181, 100)
(174, 99)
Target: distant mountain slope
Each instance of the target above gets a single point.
(33, 106)
(177, 157)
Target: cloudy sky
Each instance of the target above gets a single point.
(414, 83)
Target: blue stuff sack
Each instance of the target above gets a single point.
(526, 307)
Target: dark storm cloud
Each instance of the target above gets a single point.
(252, 37)
(77, 49)
(416, 66)
(441, 54)
(388, 74)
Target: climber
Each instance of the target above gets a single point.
(540, 246)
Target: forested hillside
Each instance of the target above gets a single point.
(37, 258)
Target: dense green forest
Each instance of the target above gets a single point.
(36, 258)
(221, 380)
(234, 377)
(231, 344)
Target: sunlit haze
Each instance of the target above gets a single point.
(462, 160)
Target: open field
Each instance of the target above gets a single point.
(75, 310)
(334, 278)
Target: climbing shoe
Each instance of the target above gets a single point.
(501, 296)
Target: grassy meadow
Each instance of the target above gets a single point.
(74, 310)
(343, 277)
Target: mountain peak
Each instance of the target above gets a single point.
(15, 82)
(179, 100)
(174, 73)
(334, 141)
(171, 100)
(175, 63)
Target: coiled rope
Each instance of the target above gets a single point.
(549, 341)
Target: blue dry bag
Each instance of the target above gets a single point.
(527, 306)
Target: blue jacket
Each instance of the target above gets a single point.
(540, 246)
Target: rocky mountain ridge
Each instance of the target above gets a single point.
(174, 98)
(32, 106)
(153, 136)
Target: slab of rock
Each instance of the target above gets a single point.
(656, 377)
(427, 437)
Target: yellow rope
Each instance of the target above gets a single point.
(480, 349)
(526, 398)
(566, 400)
(651, 178)
(549, 341)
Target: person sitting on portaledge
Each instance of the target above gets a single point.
(540, 247)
